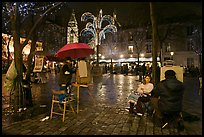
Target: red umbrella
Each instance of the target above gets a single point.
(52, 58)
(75, 50)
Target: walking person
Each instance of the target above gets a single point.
(142, 95)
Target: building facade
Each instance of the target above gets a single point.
(179, 45)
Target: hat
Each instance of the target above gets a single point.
(170, 73)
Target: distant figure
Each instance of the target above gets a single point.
(126, 69)
(148, 70)
(143, 70)
(140, 73)
(158, 73)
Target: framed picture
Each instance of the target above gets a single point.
(179, 72)
(38, 63)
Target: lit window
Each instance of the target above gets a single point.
(130, 49)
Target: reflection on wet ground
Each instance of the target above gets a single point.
(108, 91)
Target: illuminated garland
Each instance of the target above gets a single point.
(26, 9)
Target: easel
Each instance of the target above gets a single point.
(78, 90)
(84, 84)
(177, 69)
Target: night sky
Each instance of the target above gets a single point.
(131, 13)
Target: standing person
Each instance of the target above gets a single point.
(148, 70)
(142, 94)
(65, 75)
(126, 69)
(168, 95)
(143, 70)
(157, 74)
(140, 73)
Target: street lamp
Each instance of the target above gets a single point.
(95, 28)
(142, 55)
(171, 53)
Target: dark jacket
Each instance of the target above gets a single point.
(170, 92)
(63, 77)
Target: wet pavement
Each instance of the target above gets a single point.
(105, 115)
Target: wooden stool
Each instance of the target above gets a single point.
(65, 101)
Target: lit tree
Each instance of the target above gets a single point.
(15, 15)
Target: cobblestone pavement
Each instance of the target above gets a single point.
(105, 115)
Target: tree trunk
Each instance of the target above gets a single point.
(32, 50)
(17, 57)
(154, 42)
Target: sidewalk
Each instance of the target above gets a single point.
(107, 116)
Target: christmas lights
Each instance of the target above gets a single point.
(25, 9)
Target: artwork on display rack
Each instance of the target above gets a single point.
(38, 63)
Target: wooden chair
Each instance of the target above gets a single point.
(65, 101)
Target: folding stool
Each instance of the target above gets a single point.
(65, 101)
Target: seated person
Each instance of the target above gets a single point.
(168, 95)
(142, 94)
(65, 77)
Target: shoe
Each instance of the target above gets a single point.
(127, 109)
(139, 114)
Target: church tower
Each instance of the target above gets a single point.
(72, 30)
